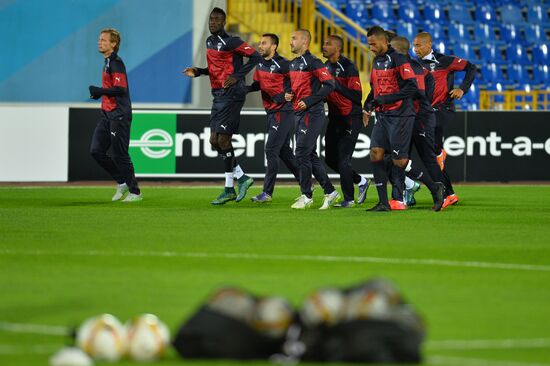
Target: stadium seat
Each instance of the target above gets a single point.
(356, 12)
(511, 14)
(436, 31)
(465, 51)
(461, 14)
(407, 30)
(535, 34)
(491, 54)
(383, 11)
(541, 76)
(485, 33)
(434, 12)
(540, 54)
(491, 73)
(510, 33)
(516, 53)
(518, 74)
(440, 46)
(485, 13)
(459, 32)
(538, 14)
(409, 12)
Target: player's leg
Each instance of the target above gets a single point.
(303, 151)
(400, 140)
(120, 141)
(347, 134)
(316, 125)
(378, 146)
(101, 141)
(272, 149)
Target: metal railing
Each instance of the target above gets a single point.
(514, 100)
(284, 16)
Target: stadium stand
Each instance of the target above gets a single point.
(508, 40)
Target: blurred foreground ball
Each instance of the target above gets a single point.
(148, 338)
(102, 337)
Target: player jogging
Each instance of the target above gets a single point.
(224, 55)
(344, 120)
(271, 77)
(113, 129)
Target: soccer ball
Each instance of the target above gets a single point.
(324, 306)
(102, 337)
(234, 303)
(367, 303)
(273, 316)
(71, 356)
(148, 338)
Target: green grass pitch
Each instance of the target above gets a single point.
(478, 272)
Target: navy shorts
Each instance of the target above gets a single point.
(225, 116)
(393, 134)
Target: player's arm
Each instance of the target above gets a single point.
(280, 97)
(352, 90)
(470, 69)
(408, 87)
(327, 84)
(242, 48)
(368, 107)
(194, 72)
(255, 86)
(120, 83)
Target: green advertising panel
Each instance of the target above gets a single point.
(152, 143)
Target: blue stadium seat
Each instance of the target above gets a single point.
(440, 46)
(407, 30)
(541, 54)
(511, 14)
(485, 33)
(465, 51)
(409, 12)
(541, 76)
(356, 12)
(436, 30)
(491, 54)
(458, 32)
(516, 53)
(434, 12)
(461, 14)
(518, 74)
(510, 33)
(491, 73)
(535, 34)
(485, 13)
(383, 11)
(538, 14)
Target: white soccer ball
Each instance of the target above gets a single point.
(70, 356)
(102, 337)
(234, 303)
(324, 306)
(367, 304)
(148, 338)
(273, 316)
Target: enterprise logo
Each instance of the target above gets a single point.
(160, 140)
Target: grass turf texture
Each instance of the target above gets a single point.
(69, 253)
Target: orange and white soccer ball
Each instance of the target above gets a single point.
(148, 338)
(273, 316)
(102, 337)
(324, 306)
(233, 302)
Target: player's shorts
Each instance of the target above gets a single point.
(393, 134)
(225, 116)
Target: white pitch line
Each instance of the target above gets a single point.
(284, 257)
(466, 361)
(473, 344)
(38, 349)
(52, 330)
